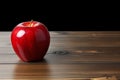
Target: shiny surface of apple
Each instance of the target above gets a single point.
(30, 40)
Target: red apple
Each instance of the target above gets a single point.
(30, 40)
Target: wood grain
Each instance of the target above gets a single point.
(72, 55)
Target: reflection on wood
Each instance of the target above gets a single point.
(71, 56)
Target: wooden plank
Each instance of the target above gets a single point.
(79, 55)
(44, 70)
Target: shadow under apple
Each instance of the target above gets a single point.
(32, 70)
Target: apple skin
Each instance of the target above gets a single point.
(30, 43)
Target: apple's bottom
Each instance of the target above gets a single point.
(37, 60)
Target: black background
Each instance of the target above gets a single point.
(62, 15)
(56, 23)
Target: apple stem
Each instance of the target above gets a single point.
(31, 24)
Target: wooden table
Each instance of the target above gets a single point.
(80, 55)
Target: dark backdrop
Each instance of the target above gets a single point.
(64, 22)
(61, 15)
